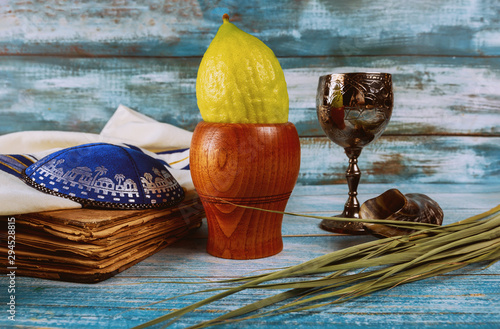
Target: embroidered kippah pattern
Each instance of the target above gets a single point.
(106, 176)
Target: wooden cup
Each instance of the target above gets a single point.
(253, 165)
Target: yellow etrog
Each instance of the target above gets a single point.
(240, 80)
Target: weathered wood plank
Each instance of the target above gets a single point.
(437, 302)
(405, 159)
(463, 298)
(290, 28)
(328, 200)
(447, 190)
(458, 201)
(78, 60)
(433, 95)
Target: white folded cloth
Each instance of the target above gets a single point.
(127, 126)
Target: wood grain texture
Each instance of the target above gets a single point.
(290, 28)
(433, 95)
(400, 159)
(67, 65)
(468, 298)
(443, 302)
(254, 165)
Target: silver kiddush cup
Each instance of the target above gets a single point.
(353, 110)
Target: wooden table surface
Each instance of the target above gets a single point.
(67, 65)
(469, 297)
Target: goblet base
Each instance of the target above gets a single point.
(351, 228)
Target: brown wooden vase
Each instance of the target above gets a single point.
(253, 165)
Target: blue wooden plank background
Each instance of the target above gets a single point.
(291, 28)
(67, 65)
(467, 298)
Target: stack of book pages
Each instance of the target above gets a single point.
(90, 245)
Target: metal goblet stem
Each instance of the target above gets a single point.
(353, 110)
(353, 175)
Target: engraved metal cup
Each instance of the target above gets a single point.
(353, 110)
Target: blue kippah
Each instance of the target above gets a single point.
(102, 175)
